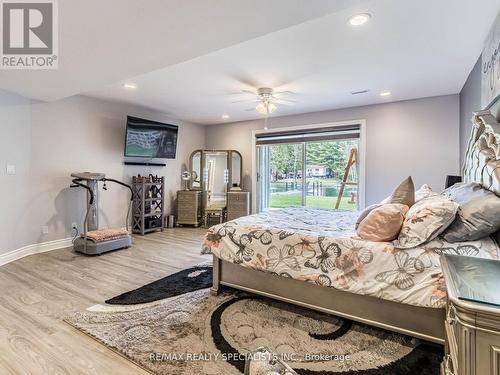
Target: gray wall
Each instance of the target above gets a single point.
(15, 149)
(48, 141)
(416, 137)
(470, 101)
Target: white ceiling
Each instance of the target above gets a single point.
(102, 42)
(191, 58)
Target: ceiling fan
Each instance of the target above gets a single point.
(266, 99)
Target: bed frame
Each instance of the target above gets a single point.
(482, 164)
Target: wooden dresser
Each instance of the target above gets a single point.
(238, 204)
(472, 328)
(188, 207)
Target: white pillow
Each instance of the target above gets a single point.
(426, 220)
(425, 191)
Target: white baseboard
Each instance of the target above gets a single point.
(34, 249)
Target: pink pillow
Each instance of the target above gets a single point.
(384, 223)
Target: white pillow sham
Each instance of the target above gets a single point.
(426, 220)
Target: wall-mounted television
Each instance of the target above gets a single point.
(150, 139)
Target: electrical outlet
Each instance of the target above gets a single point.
(74, 226)
(45, 229)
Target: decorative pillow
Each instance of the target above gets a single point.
(403, 194)
(463, 191)
(478, 212)
(366, 212)
(426, 220)
(383, 224)
(425, 191)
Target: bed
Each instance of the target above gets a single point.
(309, 258)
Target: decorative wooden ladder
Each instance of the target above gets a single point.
(353, 159)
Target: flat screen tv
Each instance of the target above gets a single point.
(150, 139)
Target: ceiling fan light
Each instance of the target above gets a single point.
(266, 108)
(261, 108)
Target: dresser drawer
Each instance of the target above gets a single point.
(237, 197)
(487, 353)
(188, 207)
(238, 205)
(186, 198)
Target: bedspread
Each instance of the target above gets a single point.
(317, 246)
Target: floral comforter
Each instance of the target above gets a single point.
(316, 246)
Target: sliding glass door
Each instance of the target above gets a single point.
(325, 166)
(311, 173)
(286, 179)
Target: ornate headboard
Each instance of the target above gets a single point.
(482, 158)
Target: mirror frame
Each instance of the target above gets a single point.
(192, 169)
(202, 163)
(230, 163)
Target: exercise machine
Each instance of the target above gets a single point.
(95, 241)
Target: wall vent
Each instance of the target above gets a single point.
(359, 92)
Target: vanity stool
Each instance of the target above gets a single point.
(214, 212)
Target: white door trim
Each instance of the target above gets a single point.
(361, 153)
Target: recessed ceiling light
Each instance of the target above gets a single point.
(385, 93)
(359, 19)
(225, 117)
(129, 86)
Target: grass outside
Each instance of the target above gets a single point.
(291, 200)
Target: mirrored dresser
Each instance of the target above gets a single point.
(472, 316)
(217, 176)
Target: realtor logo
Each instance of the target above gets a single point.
(29, 34)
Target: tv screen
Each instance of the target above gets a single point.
(150, 139)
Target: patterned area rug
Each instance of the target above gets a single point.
(185, 281)
(197, 333)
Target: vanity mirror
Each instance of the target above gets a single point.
(216, 172)
(195, 167)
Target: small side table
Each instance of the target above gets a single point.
(472, 326)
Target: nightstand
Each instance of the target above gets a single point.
(188, 207)
(238, 204)
(472, 316)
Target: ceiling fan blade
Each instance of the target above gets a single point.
(285, 101)
(250, 109)
(245, 101)
(249, 92)
(286, 92)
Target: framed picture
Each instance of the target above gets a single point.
(490, 68)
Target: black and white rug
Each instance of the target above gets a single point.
(197, 333)
(185, 281)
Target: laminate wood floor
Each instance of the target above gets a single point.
(38, 291)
